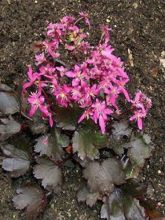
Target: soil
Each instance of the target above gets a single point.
(137, 30)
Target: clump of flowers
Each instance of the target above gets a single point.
(94, 84)
(141, 105)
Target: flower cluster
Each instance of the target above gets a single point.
(93, 84)
(141, 104)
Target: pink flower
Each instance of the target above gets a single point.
(100, 114)
(141, 105)
(40, 58)
(36, 101)
(51, 122)
(54, 85)
(62, 95)
(138, 117)
(76, 93)
(69, 47)
(85, 16)
(87, 114)
(55, 31)
(62, 70)
(105, 33)
(47, 70)
(142, 100)
(107, 52)
(88, 94)
(77, 75)
(93, 79)
(51, 48)
(32, 77)
(67, 20)
(125, 93)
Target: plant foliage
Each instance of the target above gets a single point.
(77, 86)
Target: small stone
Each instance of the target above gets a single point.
(108, 20)
(52, 206)
(69, 214)
(130, 58)
(135, 5)
(162, 59)
(159, 171)
(159, 203)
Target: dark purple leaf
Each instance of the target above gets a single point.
(101, 177)
(86, 143)
(32, 199)
(49, 173)
(119, 206)
(8, 127)
(44, 145)
(161, 218)
(121, 129)
(51, 145)
(8, 104)
(139, 149)
(67, 118)
(17, 162)
(11, 151)
(135, 211)
(5, 88)
(131, 170)
(38, 127)
(83, 163)
(120, 133)
(113, 207)
(84, 195)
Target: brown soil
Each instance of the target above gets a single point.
(136, 25)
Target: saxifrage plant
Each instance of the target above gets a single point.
(94, 81)
(81, 89)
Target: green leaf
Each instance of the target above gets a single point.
(87, 141)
